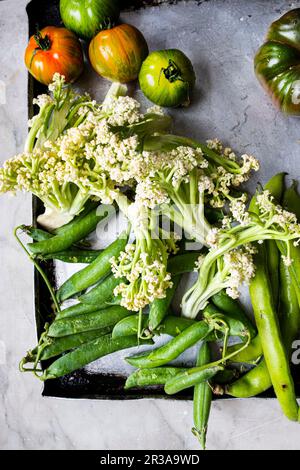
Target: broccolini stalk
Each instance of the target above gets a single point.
(270, 223)
(59, 165)
(143, 263)
(61, 109)
(187, 176)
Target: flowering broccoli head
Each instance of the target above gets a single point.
(145, 272)
(266, 221)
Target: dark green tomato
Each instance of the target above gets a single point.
(87, 17)
(277, 62)
(167, 78)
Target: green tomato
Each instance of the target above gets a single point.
(167, 78)
(277, 62)
(87, 17)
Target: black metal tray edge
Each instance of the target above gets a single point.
(80, 384)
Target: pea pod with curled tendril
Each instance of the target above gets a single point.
(91, 274)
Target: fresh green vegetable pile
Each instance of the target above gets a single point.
(80, 155)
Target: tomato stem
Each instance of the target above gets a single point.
(44, 43)
(172, 72)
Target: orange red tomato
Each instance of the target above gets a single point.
(54, 50)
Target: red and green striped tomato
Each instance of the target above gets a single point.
(54, 50)
(87, 17)
(277, 62)
(118, 53)
(167, 78)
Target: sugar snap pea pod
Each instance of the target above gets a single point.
(76, 232)
(91, 274)
(58, 346)
(159, 308)
(148, 377)
(102, 292)
(253, 383)
(190, 378)
(238, 325)
(89, 207)
(87, 322)
(89, 352)
(184, 263)
(253, 352)
(173, 349)
(233, 308)
(202, 399)
(272, 343)
(171, 326)
(78, 309)
(36, 234)
(129, 326)
(74, 255)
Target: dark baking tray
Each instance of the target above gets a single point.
(80, 384)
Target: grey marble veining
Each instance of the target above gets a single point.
(243, 116)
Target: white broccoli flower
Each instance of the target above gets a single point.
(156, 110)
(239, 267)
(239, 211)
(213, 238)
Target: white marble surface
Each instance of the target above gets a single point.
(28, 421)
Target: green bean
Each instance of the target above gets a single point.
(276, 187)
(76, 232)
(289, 298)
(233, 308)
(91, 274)
(289, 306)
(87, 322)
(159, 308)
(291, 199)
(87, 353)
(73, 256)
(258, 380)
(253, 383)
(202, 399)
(272, 344)
(148, 377)
(190, 378)
(102, 292)
(58, 346)
(173, 349)
(184, 263)
(273, 257)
